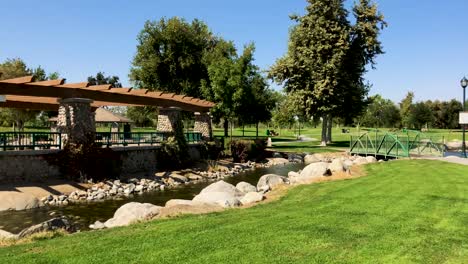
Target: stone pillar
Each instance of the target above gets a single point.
(76, 121)
(203, 125)
(169, 120)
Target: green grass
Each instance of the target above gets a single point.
(402, 212)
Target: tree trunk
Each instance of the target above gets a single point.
(324, 131)
(226, 127)
(329, 129)
(257, 129)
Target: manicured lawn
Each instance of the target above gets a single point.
(402, 212)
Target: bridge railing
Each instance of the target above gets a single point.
(30, 140)
(109, 139)
(396, 144)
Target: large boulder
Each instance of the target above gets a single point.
(132, 212)
(313, 158)
(277, 161)
(7, 235)
(360, 161)
(50, 225)
(179, 178)
(17, 201)
(223, 199)
(222, 186)
(310, 172)
(246, 187)
(371, 159)
(336, 165)
(251, 197)
(270, 182)
(175, 202)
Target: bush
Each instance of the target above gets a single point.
(212, 150)
(79, 163)
(172, 155)
(243, 150)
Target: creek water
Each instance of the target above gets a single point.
(85, 213)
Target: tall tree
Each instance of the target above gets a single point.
(327, 57)
(381, 113)
(405, 109)
(170, 56)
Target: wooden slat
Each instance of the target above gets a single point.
(100, 87)
(120, 90)
(74, 85)
(25, 79)
(48, 83)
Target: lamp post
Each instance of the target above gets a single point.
(464, 83)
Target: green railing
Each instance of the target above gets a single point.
(140, 138)
(405, 144)
(30, 140)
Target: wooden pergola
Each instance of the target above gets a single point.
(23, 92)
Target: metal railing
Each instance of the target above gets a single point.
(140, 138)
(406, 144)
(30, 140)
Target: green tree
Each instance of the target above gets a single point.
(100, 78)
(405, 109)
(381, 113)
(420, 115)
(170, 56)
(327, 57)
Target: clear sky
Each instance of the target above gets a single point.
(426, 42)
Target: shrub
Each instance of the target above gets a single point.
(243, 150)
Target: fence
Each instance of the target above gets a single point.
(53, 140)
(140, 138)
(30, 140)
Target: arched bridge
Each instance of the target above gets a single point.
(401, 144)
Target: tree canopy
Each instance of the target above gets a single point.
(327, 57)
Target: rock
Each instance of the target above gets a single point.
(270, 181)
(293, 174)
(223, 199)
(132, 212)
(179, 178)
(360, 161)
(251, 197)
(246, 187)
(100, 196)
(174, 202)
(277, 161)
(371, 159)
(97, 225)
(139, 188)
(193, 177)
(222, 186)
(347, 164)
(336, 166)
(309, 159)
(116, 182)
(50, 225)
(7, 235)
(296, 158)
(311, 172)
(11, 200)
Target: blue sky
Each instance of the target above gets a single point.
(426, 42)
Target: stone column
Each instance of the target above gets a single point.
(76, 121)
(169, 120)
(203, 125)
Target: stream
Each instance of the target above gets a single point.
(84, 214)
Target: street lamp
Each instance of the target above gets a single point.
(464, 83)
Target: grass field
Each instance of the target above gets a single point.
(401, 212)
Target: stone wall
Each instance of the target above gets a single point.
(76, 121)
(19, 166)
(203, 125)
(168, 119)
(31, 166)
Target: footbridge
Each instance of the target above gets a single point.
(399, 144)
